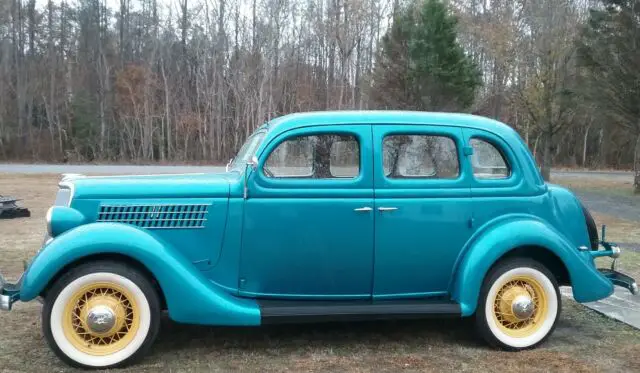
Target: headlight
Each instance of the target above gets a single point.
(61, 219)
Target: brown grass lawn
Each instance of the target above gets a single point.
(597, 184)
(620, 230)
(584, 341)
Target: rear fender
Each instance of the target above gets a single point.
(191, 298)
(514, 231)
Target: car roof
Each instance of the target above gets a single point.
(387, 117)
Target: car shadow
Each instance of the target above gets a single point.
(368, 334)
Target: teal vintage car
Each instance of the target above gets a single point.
(321, 216)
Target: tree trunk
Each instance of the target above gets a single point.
(602, 155)
(546, 157)
(584, 146)
(636, 166)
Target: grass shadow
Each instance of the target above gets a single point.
(337, 336)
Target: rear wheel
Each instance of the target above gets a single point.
(519, 305)
(101, 315)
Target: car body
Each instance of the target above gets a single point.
(322, 216)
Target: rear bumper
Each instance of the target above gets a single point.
(9, 293)
(616, 278)
(620, 279)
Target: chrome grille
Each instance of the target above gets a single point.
(158, 216)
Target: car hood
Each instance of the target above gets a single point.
(150, 186)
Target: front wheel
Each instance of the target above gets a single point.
(519, 304)
(101, 315)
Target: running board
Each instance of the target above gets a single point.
(282, 312)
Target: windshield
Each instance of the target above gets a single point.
(247, 150)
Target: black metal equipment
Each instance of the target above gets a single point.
(9, 209)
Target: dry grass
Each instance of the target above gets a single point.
(597, 184)
(620, 230)
(584, 341)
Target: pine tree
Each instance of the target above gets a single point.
(422, 66)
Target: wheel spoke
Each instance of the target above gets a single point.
(104, 295)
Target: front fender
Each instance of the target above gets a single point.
(191, 298)
(511, 232)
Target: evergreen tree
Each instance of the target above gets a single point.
(422, 66)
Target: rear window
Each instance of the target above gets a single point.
(488, 162)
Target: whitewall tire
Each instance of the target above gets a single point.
(519, 305)
(101, 315)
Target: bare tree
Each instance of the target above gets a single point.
(188, 80)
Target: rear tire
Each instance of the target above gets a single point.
(101, 315)
(519, 305)
(592, 228)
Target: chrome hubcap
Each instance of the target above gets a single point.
(522, 307)
(101, 319)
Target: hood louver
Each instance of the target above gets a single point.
(156, 216)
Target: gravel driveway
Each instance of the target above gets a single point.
(624, 207)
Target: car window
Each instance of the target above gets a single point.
(326, 156)
(420, 156)
(488, 162)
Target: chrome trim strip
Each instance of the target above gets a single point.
(145, 175)
(158, 204)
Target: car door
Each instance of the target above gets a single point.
(497, 180)
(422, 206)
(308, 218)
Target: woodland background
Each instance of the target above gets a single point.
(188, 80)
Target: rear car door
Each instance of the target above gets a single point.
(422, 205)
(497, 179)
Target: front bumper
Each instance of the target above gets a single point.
(9, 293)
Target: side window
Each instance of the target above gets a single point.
(420, 156)
(488, 162)
(326, 156)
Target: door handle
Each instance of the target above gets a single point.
(383, 209)
(363, 209)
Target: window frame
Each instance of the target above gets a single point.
(423, 134)
(420, 187)
(500, 151)
(353, 136)
(259, 186)
(511, 186)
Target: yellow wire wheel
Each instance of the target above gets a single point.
(101, 318)
(101, 314)
(520, 306)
